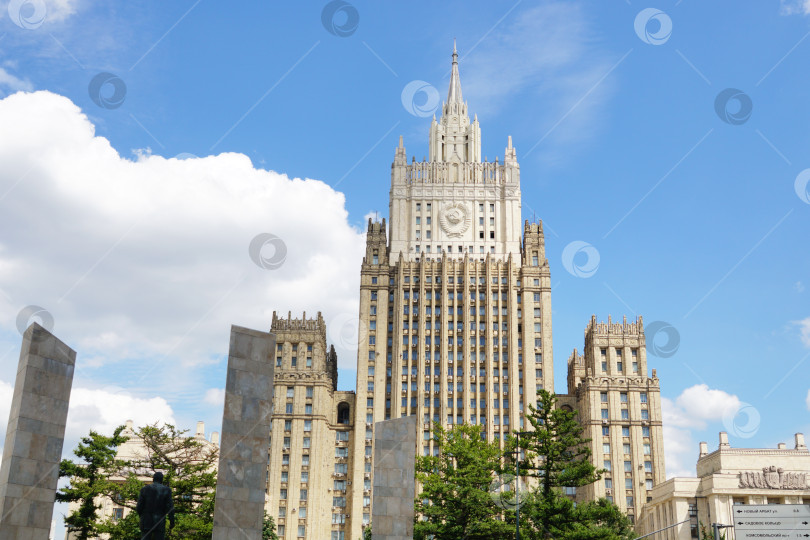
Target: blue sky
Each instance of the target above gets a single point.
(697, 209)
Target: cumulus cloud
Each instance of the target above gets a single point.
(144, 263)
(215, 396)
(804, 330)
(104, 409)
(693, 409)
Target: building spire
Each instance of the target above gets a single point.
(454, 93)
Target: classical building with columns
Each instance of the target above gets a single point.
(727, 477)
(455, 327)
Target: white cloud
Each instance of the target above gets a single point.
(10, 83)
(215, 396)
(804, 330)
(798, 287)
(547, 57)
(793, 7)
(807, 400)
(104, 409)
(144, 263)
(692, 410)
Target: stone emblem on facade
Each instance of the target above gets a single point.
(454, 219)
(773, 478)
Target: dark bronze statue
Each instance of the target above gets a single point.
(154, 506)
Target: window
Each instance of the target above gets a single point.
(647, 450)
(294, 361)
(626, 448)
(643, 397)
(307, 425)
(619, 367)
(628, 483)
(603, 397)
(608, 483)
(625, 414)
(604, 414)
(623, 397)
(648, 466)
(281, 531)
(290, 391)
(649, 485)
(605, 431)
(302, 512)
(278, 361)
(307, 442)
(606, 465)
(308, 408)
(645, 414)
(288, 409)
(285, 459)
(645, 431)
(305, 477)
(628, 466)
(629, 501)
(282, 511)
(283, 494)
(605, 448)
(303, 495)
(625, 431)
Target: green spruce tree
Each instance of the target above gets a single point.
(89, 480)
(455, 500)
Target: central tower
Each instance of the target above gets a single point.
(455, 306)
(454, 205)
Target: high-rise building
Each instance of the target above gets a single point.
(310, 446)
(455, 327)
(619, 407)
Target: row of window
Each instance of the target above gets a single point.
(482, 371)
(475, 357)
(474, 388)
(626, 448)
(628, 466)
(642, 396)
(628, 483)
(293, 362)
(625, 414)
(480, 280)
(645, 431)
(288, 425)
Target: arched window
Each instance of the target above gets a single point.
(343, 413)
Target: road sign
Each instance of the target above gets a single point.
(772, 521)
(771, 510)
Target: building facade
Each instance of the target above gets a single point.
(310, 455)
(725, 478)
(454, 327)
(619, 406)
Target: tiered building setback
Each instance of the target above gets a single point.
(455, 327)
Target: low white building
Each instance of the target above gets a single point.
(133, 449)
(727, 477)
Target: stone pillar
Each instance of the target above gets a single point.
(35, 435)
(394, 479)
(241, 476)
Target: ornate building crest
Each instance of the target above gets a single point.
(454, 219)
(773, 478)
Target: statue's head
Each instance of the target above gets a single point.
(158, 477)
